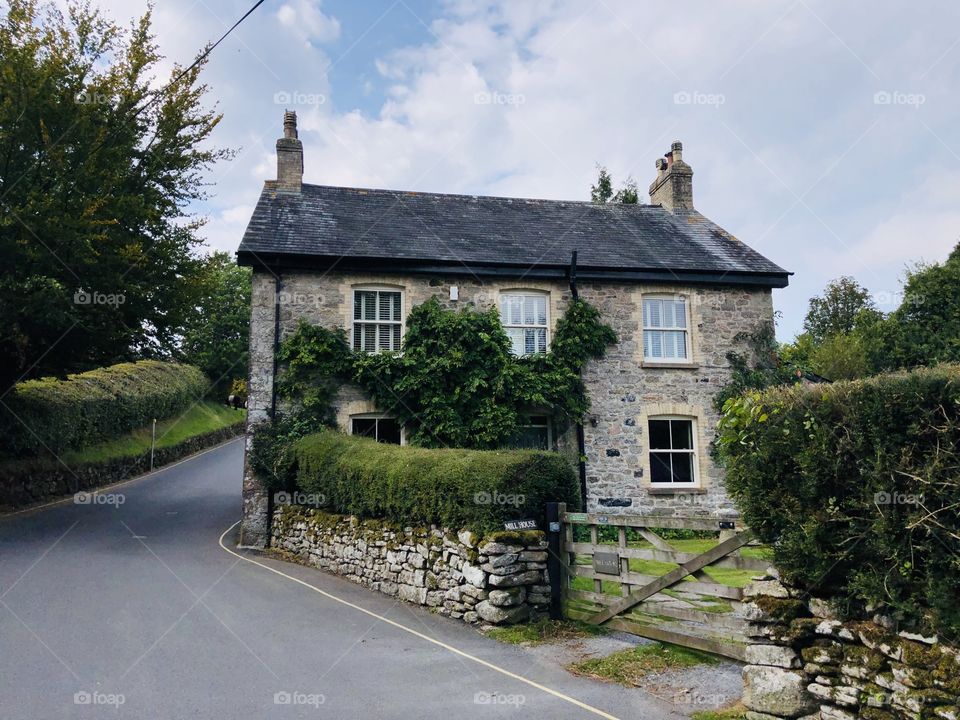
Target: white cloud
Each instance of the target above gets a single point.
(524, 98)
(923, 227)
(305, 20)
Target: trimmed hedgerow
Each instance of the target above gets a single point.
(856, 485)
(50, 415)
(453, 488)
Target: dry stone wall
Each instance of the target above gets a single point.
(498, 580)
(806, 663)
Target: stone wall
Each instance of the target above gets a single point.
(623, 390)
(496, 580)
(807, 663)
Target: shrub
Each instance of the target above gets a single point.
(55, 415)
(456, 382)
(857, 487)
(452, 488)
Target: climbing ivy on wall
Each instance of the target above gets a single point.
(455, 384)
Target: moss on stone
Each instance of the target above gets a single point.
(515, 537)
(872, 713)
(946, 674)
(821, 649)
(784, 609)
(864, 657)
(800, 630)
(919, 655)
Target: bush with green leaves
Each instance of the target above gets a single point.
(456, 383)
(856, 485)
(453, 488)
(50, 415)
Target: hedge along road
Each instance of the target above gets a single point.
(137, 605)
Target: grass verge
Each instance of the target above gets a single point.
(545, 630)
(627, 667)
(737, 712)
(201, 418)
(26, 481)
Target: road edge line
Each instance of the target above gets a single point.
(121, 483)
(416, 633)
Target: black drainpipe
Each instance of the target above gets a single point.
(581, 442)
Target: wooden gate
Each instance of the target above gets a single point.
(637, 574)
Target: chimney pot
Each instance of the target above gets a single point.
(290, 124)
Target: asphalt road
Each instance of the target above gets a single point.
(130, 607)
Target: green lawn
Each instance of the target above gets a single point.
(201, 418)
(730, 577)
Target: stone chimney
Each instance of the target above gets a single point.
(673, 188)
(289, 155)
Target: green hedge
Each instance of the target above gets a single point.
(55, 415)
(478, 489)
(856, 485)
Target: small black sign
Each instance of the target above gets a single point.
(520, 525)
(607, 563)
(727, 525)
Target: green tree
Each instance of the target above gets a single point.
(217, 334)
(843, 304)
(925, 328)
(841, 357)
(603, 191)
(96, 169)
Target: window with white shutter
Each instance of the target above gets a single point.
(665, 331)
(525, 320)
(377, 320)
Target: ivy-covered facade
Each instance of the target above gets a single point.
(675, 292)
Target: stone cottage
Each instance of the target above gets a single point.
(679, 290)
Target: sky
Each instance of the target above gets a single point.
(822, 134)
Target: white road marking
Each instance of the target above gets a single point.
(445, 646)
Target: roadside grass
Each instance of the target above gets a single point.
(545, 630)
(201, 418)
(737, 712)
(627, 667)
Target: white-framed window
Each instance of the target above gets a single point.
(525, 319)
(666, 335)
(381, 428)
(673, 451)
(377, 319)
(534, 433)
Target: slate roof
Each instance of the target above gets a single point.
(398, 231)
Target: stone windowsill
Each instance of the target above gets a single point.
(670, 366)
(676, 490)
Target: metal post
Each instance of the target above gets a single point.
(554, 562)
(153, 442)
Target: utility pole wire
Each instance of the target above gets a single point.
(204, 54)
